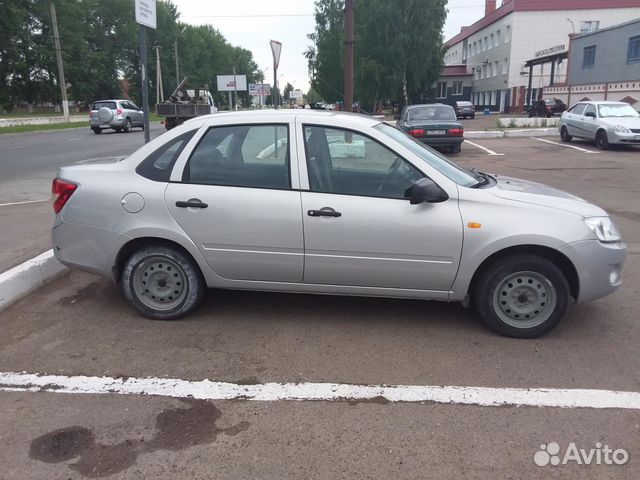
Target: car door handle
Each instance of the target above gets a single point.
(324, 212)
(191, 204)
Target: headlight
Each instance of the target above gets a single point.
(621, 129)
(604, 229)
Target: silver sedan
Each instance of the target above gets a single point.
(329, 203)
(605, 123)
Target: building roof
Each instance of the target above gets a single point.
(454, 71)
(509, 6)
(600, 30)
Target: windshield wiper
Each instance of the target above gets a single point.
(483, 179)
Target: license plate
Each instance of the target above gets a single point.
(436, 132)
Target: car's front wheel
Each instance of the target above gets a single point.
(602, 141)
(522, 296)
(564, 135)
(162, 282)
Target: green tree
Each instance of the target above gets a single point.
(286, 92)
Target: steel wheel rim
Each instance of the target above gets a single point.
(524, 299)
(160, 283)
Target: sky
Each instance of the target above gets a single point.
(251, 24)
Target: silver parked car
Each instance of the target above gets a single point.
(332, 203)
(605, 123)
(120, 115)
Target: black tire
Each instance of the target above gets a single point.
(172, 263)
(97, 130)
(564, 135)
(456, 149)
(602, 141)
(127, 125)
(548, 296)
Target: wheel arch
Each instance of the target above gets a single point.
(551, 254)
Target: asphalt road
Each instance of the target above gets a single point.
(81, 325)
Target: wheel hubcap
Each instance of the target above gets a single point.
(524, 299)
(160, 283)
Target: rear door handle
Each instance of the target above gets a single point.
(324, 212)
(191, 204)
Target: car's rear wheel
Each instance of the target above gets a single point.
(127, 126)
(522, 296)
(97, 130)
(564, 135)
(456, 149)
(162, 282)
(602, 141)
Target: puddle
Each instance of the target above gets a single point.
(176, 429)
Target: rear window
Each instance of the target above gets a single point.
(431, 113)
(159, 164)
(99, 105)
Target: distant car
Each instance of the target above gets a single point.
(605, 123)
(435, 124)
(329, 203)
(119, 115)
(547, 107)
(465, 109)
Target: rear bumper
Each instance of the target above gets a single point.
(442, 141)
(599, 267)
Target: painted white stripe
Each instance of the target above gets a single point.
(565, 145)
(490, 152)
(23, 203)
(270, 392)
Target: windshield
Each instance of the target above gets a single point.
(445, 166)
(617, 110)
(431, 113)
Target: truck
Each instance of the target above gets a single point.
(184, 104)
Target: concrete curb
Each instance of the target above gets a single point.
(512, 133)
(27, 277)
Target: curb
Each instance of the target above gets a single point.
(27, 277)
(512, 133)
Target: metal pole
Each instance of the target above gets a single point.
(529, 88)
(235, 88)
(61, 80)
(274, 96)
(348, 55)
(145, 83)
(175, 50)
(230, 101)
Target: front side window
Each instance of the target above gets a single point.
(589, 57)
(633, 50)
(241, 156)
(344, 162)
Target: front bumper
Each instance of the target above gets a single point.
(599, 267)
(624, 138)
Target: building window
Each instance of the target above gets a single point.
(496, 67)
(494, 97)
(589, 57)
(589, 26)
(441, 90)
(485, 44)
(507, 35)
(457, 88)
(505, 66)
(491, 41)
(633, 51)
(497, 38)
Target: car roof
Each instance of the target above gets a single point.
(288, 114)
(427, 105)
(113, 100)
(603, 102)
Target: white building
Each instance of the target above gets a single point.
(496, 47)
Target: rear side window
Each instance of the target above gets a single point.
(578, 109)
(241, 156)
(99, 105)
(159, 164)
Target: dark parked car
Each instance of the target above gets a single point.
(465, 109)
(547, 108)
(434, 124)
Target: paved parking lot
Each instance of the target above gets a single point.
(80, 325)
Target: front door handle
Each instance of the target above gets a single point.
(194, 203)
(324, 212)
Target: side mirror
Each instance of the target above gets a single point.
(590, 114)
(425, 190)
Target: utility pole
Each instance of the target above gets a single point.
(143, 78)
(61, 80)
(349, 15)
(159, 89)
(235, 87)
(175, 50)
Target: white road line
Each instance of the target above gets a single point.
(490, 152)
(74, 139)
(332, 392)
(23, 203)
(565, 145)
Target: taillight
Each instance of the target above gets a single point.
(119, 111)
(62, 191)
(416, 132)
(456, 132)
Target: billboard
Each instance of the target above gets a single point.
(146, 12)
(259, 89)
(227, 83)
